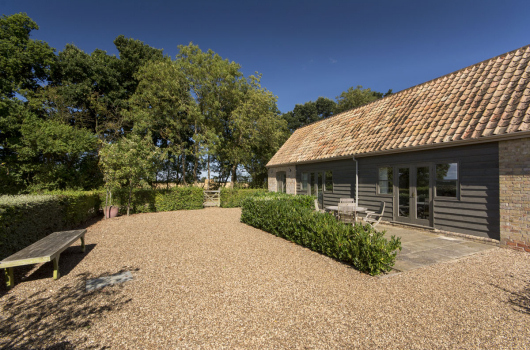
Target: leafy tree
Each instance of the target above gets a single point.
(24, 66)
(254, 130)
(323, 107)
(162, 104)
(309, 112)
(131, 162)
(353, 98)
(213, 83)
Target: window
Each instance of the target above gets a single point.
(312, 183)
(386, 177)
(305, 180)
(329, 181)
(447, 180)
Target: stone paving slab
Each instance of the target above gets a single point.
(422, 248)
(101, 282)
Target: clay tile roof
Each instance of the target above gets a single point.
(487, 99)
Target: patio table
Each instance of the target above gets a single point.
(335, 208)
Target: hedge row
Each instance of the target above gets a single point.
(25, 219)
(149, 201)
(293, 218)
(232, 198)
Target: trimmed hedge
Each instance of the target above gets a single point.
(183, 198)
(293, 218)
(150, 201)
(232, 198)
(25, 219)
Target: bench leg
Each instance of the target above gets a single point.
(82, 243)
(56, 273)
(10, 277)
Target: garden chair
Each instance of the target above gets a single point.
(346, 213)
(347, 200)
(374, 217)
(317, 208)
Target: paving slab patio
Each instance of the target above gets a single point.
(422, 248)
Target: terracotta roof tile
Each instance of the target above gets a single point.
(486, 99)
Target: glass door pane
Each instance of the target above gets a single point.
(422, 190)
(404, 192)
(319, 190)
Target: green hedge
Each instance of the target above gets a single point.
(293, 218)
(150, 201)
(25, 219)
(179, 199)
(232, 198)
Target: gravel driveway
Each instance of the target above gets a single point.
(204, 280)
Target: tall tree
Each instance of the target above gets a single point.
(24, 67)
(212, 81)
(254, 130)
(162, 104)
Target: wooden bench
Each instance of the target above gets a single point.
(47, 249)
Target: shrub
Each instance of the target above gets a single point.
(151, 200)
(231, 198)
(79, 206)
(25, 219)
(179, 198)
(292, 218)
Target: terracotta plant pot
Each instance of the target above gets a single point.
(111, 212)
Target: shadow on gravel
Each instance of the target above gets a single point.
(520, 300)
(44, 321)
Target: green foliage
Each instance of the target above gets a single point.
(231, 198)
(25, 219)
(353, 98)
(309, 112)
(294, 219)
(180, 198)
(129, 163)
(150, 200)
(199, 109)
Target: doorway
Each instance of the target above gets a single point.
(413, 194)
(281, 180)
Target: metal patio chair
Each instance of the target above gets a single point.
(346, 214)
(374, 217)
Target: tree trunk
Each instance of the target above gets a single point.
(184, 169)
(208, 186)
(106, 202)
(196, 164)
(234, 175)
(168, 170)
(130, 196)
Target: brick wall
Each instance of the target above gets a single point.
(290, 172)
(514, 184)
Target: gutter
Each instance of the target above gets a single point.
(356, 181)
(487, 139)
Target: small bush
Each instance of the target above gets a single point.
(231, 198)
(25, 219)
(293, 218)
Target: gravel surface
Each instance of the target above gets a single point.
(204, 280)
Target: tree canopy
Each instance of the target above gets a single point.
(313, 111)
(63, 113)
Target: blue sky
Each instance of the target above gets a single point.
(304, 49)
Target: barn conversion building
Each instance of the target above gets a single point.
(451, 154)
